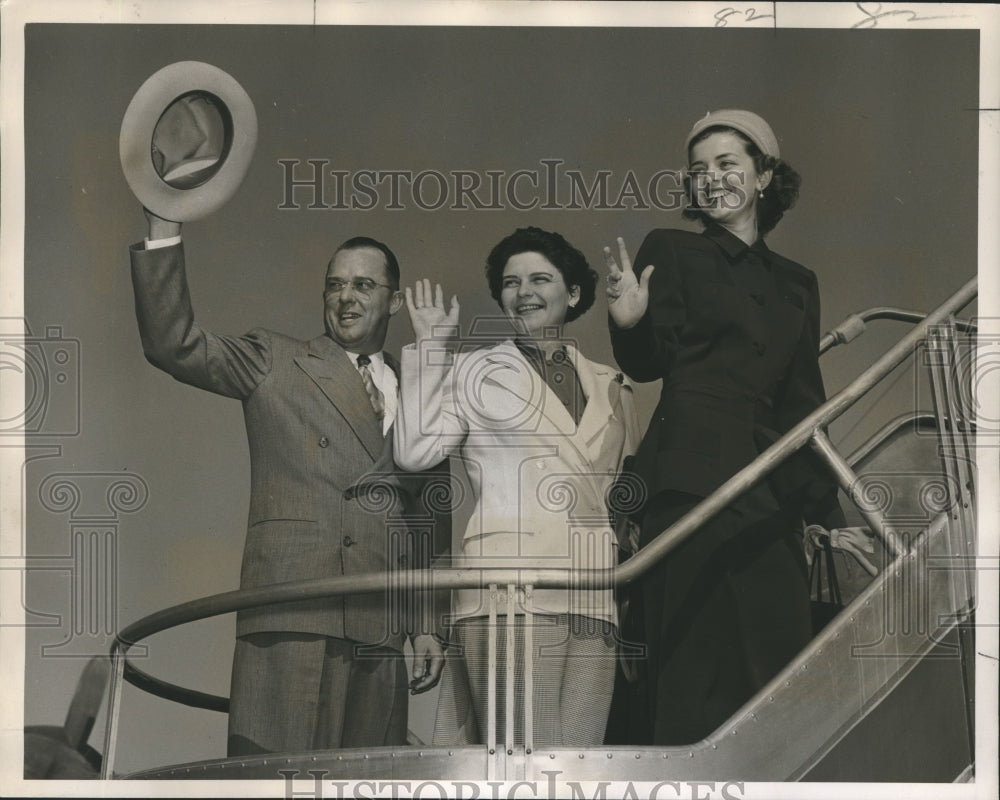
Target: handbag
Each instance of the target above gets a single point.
(824, 606)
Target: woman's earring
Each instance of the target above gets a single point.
(760, 193)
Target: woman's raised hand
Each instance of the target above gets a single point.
(628, 297)
(427, 310)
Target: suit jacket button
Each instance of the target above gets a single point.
(348, 541)
(323, 441)
(349, 493)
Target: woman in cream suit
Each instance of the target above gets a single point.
(542, 433)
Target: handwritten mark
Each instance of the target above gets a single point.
(723, 16)
(873, 13)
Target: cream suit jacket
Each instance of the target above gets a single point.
(539, 480)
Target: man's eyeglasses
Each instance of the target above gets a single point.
(363, 286)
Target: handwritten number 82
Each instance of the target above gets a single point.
(722, 16)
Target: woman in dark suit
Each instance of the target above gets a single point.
(732, 329)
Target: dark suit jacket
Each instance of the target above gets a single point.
(325, 497)
(738, 356)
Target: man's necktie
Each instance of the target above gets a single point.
(378, 400)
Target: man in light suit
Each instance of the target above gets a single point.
(325, 500)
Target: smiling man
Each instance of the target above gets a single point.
(325, 673)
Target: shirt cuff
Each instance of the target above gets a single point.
(156, 244)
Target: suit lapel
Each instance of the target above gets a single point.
(392, 363)
(596, 413)
(600, 389)
(530, 388)
(330, 368)
(603, 391)
(597, 382)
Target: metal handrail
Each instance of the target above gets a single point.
(853, 325)
(914, 418)
(807, 432)
(552, 578)
(171, 691)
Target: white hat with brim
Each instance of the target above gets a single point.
(187, 139)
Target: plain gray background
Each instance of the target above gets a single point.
(881, 125)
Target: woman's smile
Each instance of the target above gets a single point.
(535, 291)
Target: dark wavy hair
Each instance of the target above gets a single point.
(366, 242)
(779, 195)
(570, 262)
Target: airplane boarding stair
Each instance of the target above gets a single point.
(883, 693)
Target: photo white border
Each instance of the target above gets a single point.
(17, 13)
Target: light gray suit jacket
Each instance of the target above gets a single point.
(325, 496)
